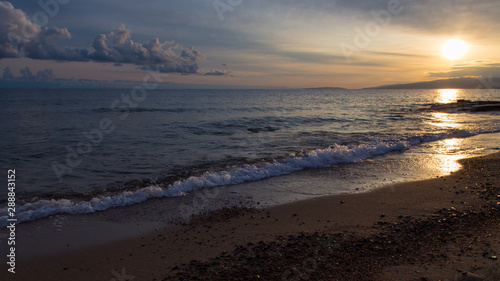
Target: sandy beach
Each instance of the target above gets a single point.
(437, 229)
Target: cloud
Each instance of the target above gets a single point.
(478, 62)
(226, 71)
(19, 37)
(15, 30)
(118, 47)
(475, 19)
(168, 61)
(470, 69)
(7, 74)
(45, 75)
(215, 73)
(41, 46)
(470, 19)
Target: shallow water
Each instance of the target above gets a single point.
(74, 145)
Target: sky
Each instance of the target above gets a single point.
(279, 43)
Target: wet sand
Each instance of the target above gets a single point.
(443, 228)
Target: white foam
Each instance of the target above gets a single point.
(313, 159)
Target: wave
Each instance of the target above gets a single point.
(319, 158)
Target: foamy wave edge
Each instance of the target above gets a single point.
(319, 158)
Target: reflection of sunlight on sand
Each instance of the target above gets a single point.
(446, 154)
(447, 96)
(444, 120)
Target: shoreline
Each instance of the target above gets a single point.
(172, 251)
(367, 173)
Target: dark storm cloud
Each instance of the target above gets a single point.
(19, 37)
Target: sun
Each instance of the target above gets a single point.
(454, 49)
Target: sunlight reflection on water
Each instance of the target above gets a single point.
(447, 95)
(446, 155)
(444, 120)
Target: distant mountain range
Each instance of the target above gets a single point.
(456, 83)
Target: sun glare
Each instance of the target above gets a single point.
(447, 95)
(454, 49)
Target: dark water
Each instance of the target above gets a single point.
(86, 143)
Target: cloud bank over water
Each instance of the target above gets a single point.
(20, 37)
